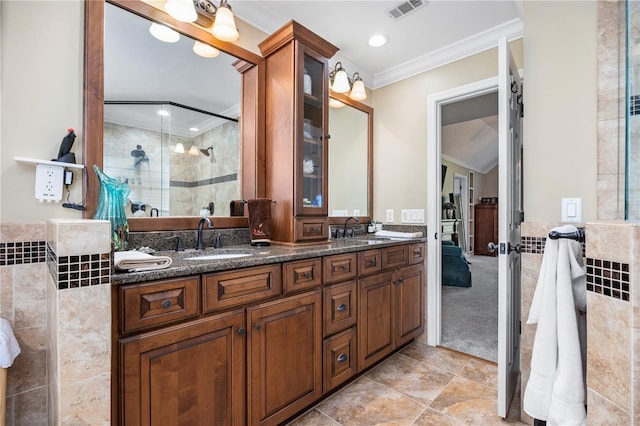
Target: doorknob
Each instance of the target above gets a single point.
(517, 248)
(492, 247)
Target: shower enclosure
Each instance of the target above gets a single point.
(632, 134)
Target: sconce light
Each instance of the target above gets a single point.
(194, 150)
(205, 50)
(164, 33)
(224, 24)
(334, 103)
(179, 148)
(340, 83)
(182, 10)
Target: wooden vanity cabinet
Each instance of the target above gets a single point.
(284, 357)
(296, 132)
(188, 374)
(391, 304)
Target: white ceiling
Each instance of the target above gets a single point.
(433, 35)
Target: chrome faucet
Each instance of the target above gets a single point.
(344, 233)
(199, 242)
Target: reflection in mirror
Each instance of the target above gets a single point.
(162, 98)
(350, 152)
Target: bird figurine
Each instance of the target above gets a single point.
(64, 154)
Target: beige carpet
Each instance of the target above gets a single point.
(470, 315)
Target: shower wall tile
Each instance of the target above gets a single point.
(608, 140)
(609, 354)
(601, 411)
(87, 402)
(609, 241)
(68, 237)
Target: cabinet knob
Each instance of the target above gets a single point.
(241, 331)
(399, 281)
(372, 262)
(341, 307)
(258, 326)
(342, 358)
(306, 275)
(166, 304)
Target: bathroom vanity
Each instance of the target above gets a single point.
(257, 339)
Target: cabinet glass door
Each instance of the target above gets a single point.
(313, 147)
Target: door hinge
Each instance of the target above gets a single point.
(521, 216)
(520, 327)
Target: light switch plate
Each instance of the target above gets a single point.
(389, 217)
(49, 182)
(572, 209)
(412, 215)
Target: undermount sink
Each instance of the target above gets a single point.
(217, 256)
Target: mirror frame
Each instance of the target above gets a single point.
(339, 220)
(252, 124)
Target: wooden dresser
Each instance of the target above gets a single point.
(486, 221)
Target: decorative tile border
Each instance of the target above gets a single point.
(22, 252)
(609, 278)
(79, 270)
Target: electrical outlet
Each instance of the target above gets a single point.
(389, 218)
(49, 182)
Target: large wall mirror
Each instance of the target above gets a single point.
(179, 127)
(350, 159)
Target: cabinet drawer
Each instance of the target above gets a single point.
(312, 229)
(417, 253)
(340, 307)
(340, 267)
(302, 275)
(158, 302)
(225, 289)
(339, 358)
(392, 257)
(369, 261)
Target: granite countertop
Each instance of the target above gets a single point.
(181, 266)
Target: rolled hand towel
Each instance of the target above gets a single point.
(394, 234)
(137, 261)
(9, 347)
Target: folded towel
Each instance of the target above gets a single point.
(236, 207)
(137, 261)
(9, 348)
(394, 234)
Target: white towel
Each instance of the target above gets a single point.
(137, 261)
(9, 347)
(394, 234)
(555, 390)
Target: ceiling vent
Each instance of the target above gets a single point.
(405, 8)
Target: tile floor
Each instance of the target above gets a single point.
(420, 385)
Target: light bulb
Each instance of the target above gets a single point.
(358, 92)
(164, 33)
(334, 103)
(194, 150)
(182, 10)
(179, 148)
(224, 26)
(205, 50)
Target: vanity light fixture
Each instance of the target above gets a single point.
(194, 150)
(182, 10)
(341, 83)
(334, 103)
(224, 24)
(164, 33)
(179, 148)
(205, 50)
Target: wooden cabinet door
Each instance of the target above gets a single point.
(189, 374)
(284, 357)
(376, 318)
(410, 288)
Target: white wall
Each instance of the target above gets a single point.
(400, 129)
(560, 89)
(41, 85)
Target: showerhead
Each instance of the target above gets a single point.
(206, 151)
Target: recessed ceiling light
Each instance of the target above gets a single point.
(194, 129)
(378, 40)
(163, 113)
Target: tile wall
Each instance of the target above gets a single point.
(51, 277)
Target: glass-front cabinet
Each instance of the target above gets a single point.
(312, 176)
(296, 132)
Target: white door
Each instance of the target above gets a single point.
(509, 219)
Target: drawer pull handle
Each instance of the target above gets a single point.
(166, 304)
(241, 331)
(342, 358)
(258, 326)
(341, 307)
